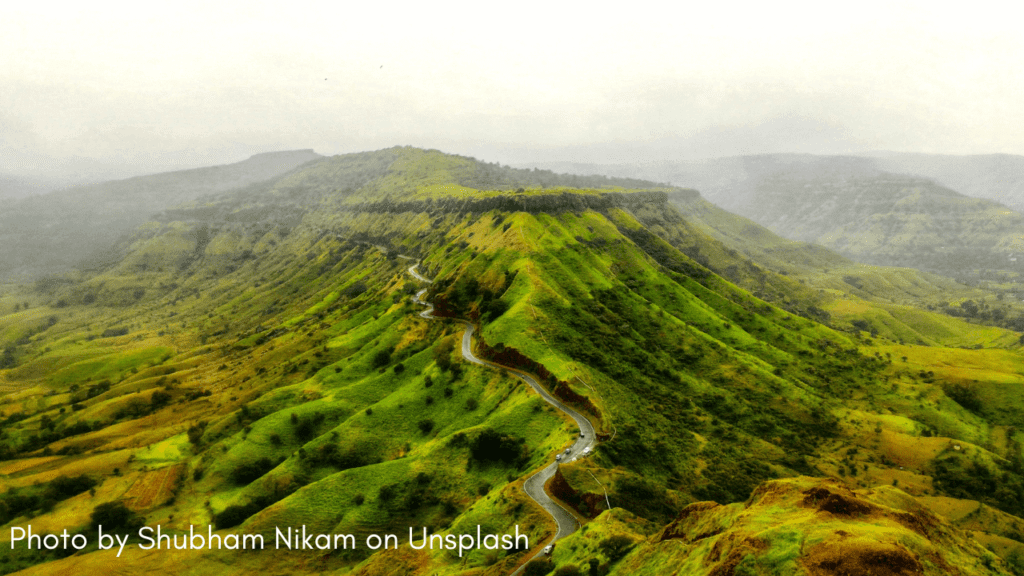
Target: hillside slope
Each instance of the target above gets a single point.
(896, 301)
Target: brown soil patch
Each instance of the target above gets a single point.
(922, 523)
(861, 558)
(695, 509)
(708, 534)
(153, 488)
(844, 506)
(840, 502)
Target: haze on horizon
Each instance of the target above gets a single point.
(104, 90)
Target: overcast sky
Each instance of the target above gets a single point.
(136, 88)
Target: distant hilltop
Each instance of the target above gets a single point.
(307, 154)
(307, 151)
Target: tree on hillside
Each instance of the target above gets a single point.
(492, 446)
(382, 358)
(538, 567)
(443, 353)
(615, 547)
(115, 517)
(195, 433)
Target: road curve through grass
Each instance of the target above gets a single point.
(534, 485)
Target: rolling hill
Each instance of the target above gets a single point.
(254, 359)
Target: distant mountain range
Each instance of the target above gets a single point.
(998, 177)
(51, 232)
(12, 187)
(935, 213)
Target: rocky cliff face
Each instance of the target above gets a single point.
(512, 202)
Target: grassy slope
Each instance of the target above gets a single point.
(898, 303)
(787, 527)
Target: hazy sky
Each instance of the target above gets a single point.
(137, 88)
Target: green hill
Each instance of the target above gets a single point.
(254, 360)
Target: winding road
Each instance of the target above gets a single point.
(534, 485)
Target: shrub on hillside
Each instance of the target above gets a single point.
(965, 396)
(645, 499)
(354, 290)
(134, 408)
(492, 446)
(195, 433)
(246, 473)
(331, 455)
(538, 567)
(305, 430)
(382, 358)
(98, 389)
(115, 517)
(492, 309)
(387, 492)
(159, 399)
(443, 353)
(63, 487)
(615, 547)
(236, 514)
